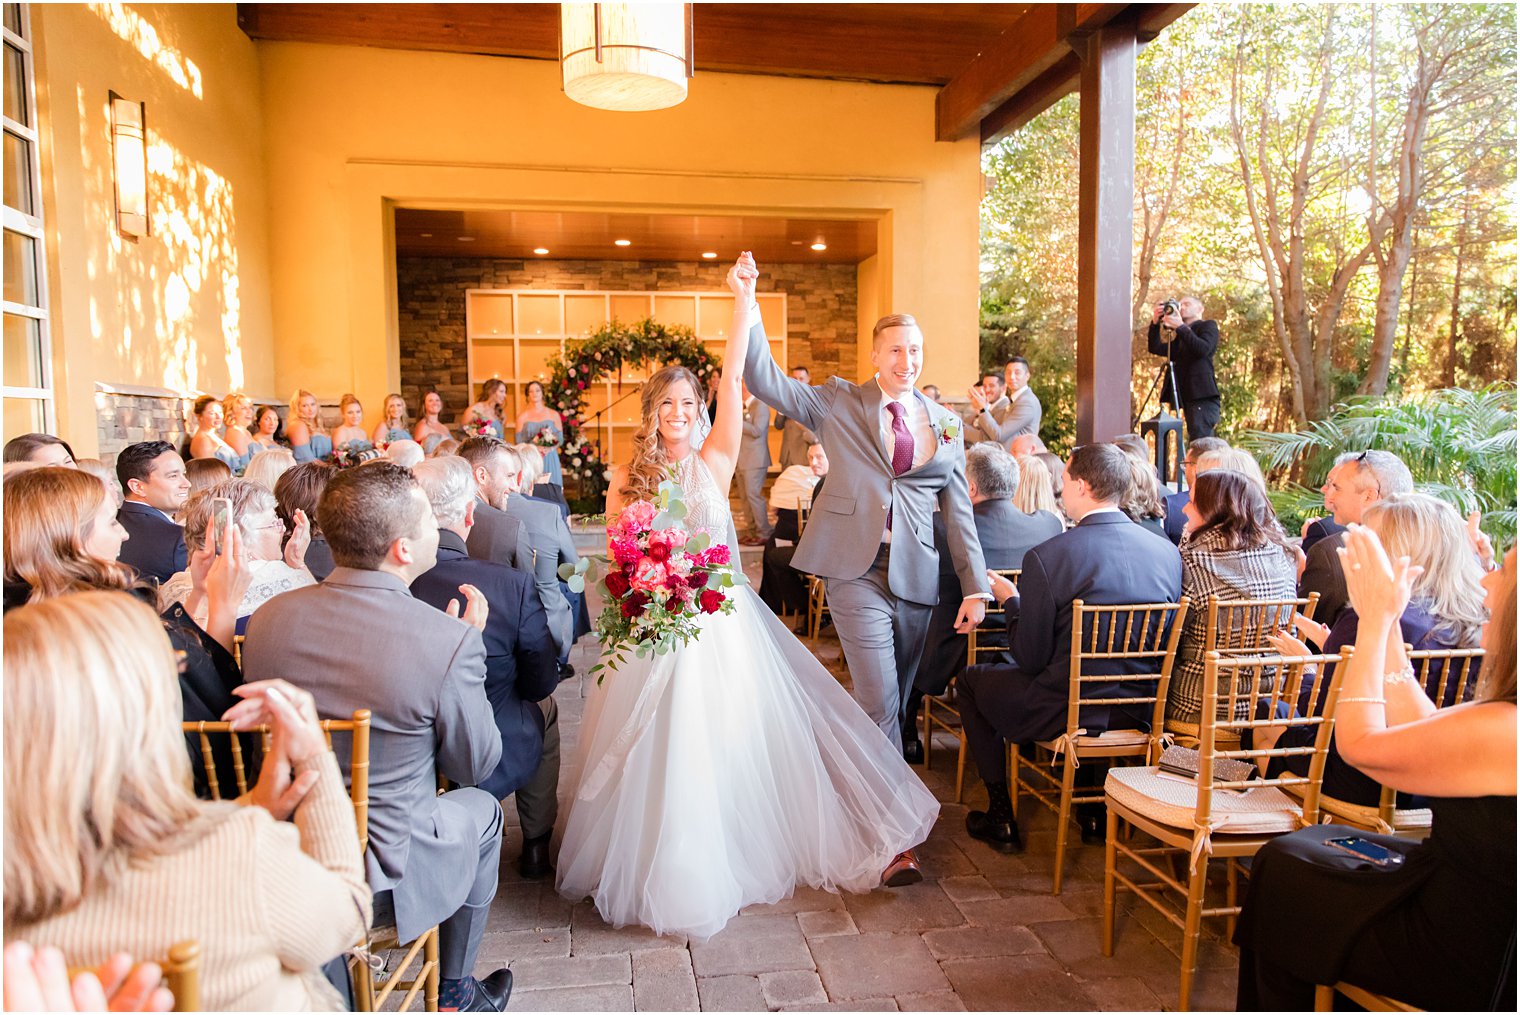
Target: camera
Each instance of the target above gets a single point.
(1170, 308)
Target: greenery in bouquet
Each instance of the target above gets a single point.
(546, 438)
(659, 580)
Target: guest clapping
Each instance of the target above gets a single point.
(1434, 929)
(296, 495)
(137, 861)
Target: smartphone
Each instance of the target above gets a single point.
(1368, 850)
(221, 518)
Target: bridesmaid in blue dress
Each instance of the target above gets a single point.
(493, 394)
(309, 439)
(393, 427)
(429, 432)
(536, 419)
(237, 410)
(352, 433)
(206, 442)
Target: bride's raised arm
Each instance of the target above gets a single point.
(721, 448)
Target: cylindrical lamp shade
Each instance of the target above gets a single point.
(625, 57)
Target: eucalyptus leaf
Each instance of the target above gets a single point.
(575, 583)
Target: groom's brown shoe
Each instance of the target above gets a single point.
(903, 870)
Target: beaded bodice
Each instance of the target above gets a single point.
(706, 505)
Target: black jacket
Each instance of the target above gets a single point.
(1192, 353)
(155, 547)
(520, 663)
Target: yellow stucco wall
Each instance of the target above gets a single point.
(353, 132)
(187, 307)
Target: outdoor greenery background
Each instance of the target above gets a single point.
(1337, 183)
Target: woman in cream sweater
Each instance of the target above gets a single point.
(107, 850)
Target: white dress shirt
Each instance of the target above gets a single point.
(917, 420)
(793, 488)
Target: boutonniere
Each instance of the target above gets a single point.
(946, 431)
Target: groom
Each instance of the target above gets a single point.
(893, 455)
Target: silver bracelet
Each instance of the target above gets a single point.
(1362, 701)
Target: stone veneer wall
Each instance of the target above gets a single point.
(430, 302)
(124, 419)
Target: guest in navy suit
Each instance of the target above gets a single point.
(520, 658)
(1104, 560)
(1176, 521)
(154, 483)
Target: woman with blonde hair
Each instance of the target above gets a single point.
(392, 426)
(487, 410)
(1036, 490)
(1143, 503)
(106, 848)
(1233, 458)
(267, 467)
(309, 439)
(62, 538)
(1444, 611)
(1432, 924)
(238, 409)
(351, 432)
(733, 769)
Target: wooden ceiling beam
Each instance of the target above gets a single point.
(1044, 91)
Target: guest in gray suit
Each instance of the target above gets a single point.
(988, 402)
(550, 541)
(360, 640)
(1024, 411)
(893, 455)
(796, 439)
(496, 535)
(754, 462)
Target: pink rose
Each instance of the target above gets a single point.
(649, 575)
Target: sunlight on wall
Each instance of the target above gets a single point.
(142, 36)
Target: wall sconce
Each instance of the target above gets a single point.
(626, 56)
(129, 153)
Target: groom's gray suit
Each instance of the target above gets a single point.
(880, 593)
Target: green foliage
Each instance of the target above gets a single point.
(1459, 445)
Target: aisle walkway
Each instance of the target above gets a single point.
(982, 932)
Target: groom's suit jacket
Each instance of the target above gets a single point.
(844, 529)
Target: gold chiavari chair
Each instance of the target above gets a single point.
(1227, 819)
(940, 714)
(1140, 634)
(1449, 677)
(366, 998)
(1243, 627)
(182, 974)
(1324, 999)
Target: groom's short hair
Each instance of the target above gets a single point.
(1104, 468)
(894, 321)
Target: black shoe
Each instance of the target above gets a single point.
(1094, 828)
(913, 751)
(801, 630)
(1002, 836)
(534, 863)
(566, 671)
(491, 992)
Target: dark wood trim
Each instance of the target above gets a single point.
(1039, 95)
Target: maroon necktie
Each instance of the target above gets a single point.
(902, 445)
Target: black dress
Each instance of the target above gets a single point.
(1437, 932)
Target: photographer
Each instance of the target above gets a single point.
(1189, 343)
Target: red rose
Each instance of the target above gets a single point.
(617, 583)
(659, 550)
(675, 583)
(711, 600)
(634, 604)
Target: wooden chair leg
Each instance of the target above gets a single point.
(928, 735)
(1324, 998)
(1063, 818)
(430, 955)
(1197, 882)
(1013, 778)
(1232, 874)
(1110, 859)
(960, 770)
(363, 981)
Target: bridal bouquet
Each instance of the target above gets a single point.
(660, 579)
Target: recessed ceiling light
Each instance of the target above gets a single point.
(820, 245)
(709, 254)
(622, 243)
(426, 236)
(540, 250)
(465, 239)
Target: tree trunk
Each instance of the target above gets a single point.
(1455, 326)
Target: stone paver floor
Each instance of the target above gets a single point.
(982, 932)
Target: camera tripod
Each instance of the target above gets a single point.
(1164, 424)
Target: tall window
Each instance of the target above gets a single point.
(28, 378)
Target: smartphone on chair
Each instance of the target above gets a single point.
(221, 520)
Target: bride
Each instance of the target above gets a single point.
(735, 768)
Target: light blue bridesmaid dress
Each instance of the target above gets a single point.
(551, 455)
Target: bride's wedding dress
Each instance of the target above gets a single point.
(729, 771)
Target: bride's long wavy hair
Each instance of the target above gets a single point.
(650, 464)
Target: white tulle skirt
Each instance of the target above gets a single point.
(727, 773)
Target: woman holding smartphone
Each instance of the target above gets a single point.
(1432, 923)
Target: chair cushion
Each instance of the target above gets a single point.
(1109, 738)
(1172, 802)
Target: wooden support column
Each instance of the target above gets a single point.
(1105, 231)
